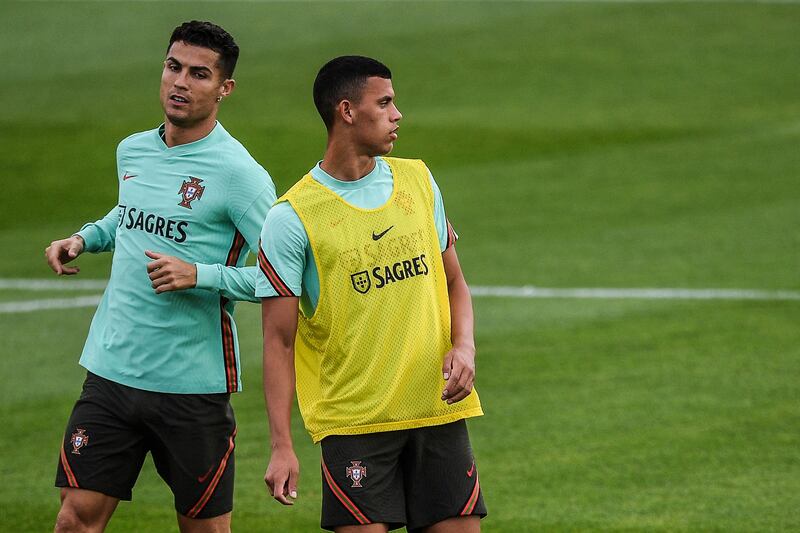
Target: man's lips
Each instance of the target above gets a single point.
(393, 134)
(178, 99)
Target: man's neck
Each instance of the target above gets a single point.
(345, 163)
(176, 135)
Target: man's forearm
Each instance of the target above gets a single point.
(279, 322)
(279, 389)
(461, 315)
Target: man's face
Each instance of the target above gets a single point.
(191, 83)
(376, 117)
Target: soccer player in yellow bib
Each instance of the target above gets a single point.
(367, 316)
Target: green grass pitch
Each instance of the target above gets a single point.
(577, 144)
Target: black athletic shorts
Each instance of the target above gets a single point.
(413, 478)
(191, 437)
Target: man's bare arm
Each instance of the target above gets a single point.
(279, 322)
(459, 363)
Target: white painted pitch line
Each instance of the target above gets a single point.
(645, 294)
(62, 284)
(46, 305)
(477, 291)
(525, 291)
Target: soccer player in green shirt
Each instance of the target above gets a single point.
(162, 353)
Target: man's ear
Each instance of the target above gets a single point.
(227, 87)
(346, 111)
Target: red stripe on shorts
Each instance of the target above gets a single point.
(194, 511)
(342, 497)
(73, 482)
(473, 498)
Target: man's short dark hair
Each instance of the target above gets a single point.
(343, 78)
(209, 35)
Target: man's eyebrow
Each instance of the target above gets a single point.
(194, 68)
(199, 67)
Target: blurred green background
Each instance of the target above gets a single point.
(577, 144)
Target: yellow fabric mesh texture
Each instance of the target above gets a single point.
(370, 357)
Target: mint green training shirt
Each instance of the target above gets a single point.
(285, 243)
(201, 202)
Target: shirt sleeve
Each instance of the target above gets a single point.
(282, 258)
(232, 282)
(447, 236)
(100, 236)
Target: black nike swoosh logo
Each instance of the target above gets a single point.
(375, 237)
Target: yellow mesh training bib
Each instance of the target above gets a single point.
(370, 358)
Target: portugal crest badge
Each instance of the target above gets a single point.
(190, 191)
(79, 440)
(356, 472)
(361, 282)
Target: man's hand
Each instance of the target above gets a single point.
(170, 273)
(459, 371)
(64, 251)
(282, 475)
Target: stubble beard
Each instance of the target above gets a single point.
(184, 120)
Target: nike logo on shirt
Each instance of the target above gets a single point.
(128, 176)
(375, 236)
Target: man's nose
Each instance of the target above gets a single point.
(182, 79)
